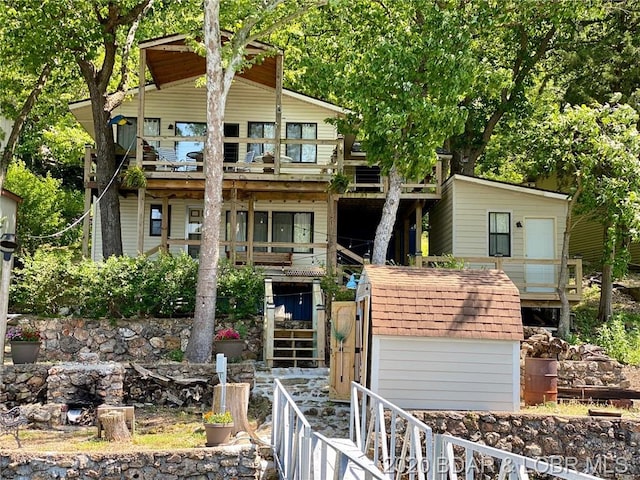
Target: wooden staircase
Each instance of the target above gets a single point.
(295, 347)
(294, 344)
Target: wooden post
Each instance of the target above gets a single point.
(250, 229)
(319, 322)
(277, 150)
(233, 220)
(419, 235)
(140, 146)
(115, 428)
(237, 403)
(164, 226)
(332, 232)
(270, 325)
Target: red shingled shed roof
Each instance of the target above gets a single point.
(430, 302)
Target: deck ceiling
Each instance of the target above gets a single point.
(169, 62)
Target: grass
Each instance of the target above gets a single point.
(575, 408)
(156, 429)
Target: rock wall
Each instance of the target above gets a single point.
(606, 447)
(177, 384)
(223, 463)
(151, 339)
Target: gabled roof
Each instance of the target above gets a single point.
(170, 59)
(507, 186)
(430, 302)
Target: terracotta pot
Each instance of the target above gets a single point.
(24, 352)
(232, 349)
(218, 433)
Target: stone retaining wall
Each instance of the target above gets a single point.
(29, 383)
(221, 463)
(151, 339)
(607, 447)
(576, 373)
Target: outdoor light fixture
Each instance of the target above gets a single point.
(519, 224)
(8, 245)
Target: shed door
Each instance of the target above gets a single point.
(540, 244)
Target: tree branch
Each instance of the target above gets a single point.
(20, 120)
(131, 34)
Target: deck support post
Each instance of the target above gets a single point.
(86, 221)
(319, 322)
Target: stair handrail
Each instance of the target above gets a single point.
(455, 456)
(372, 434)
(342, 460)
(290, 437)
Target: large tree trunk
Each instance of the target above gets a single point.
(388, 219)
(105, 170)
(200, 343)
(19, 122)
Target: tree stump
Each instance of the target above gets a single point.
(115, 428)
(237, 402)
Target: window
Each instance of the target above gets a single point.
(292, 228)
(304, 153)
(155, 221)
(261, 130)
(194, 230)
(126, 134)
(499, 234)
(231, 150)
(183, 147)
(260, 229)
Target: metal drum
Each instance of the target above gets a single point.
(540, 380)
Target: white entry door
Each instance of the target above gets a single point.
(540, 243)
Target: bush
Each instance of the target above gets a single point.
(122, 287)
(620, 341)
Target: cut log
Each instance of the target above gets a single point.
(115, 428)
(237, 402)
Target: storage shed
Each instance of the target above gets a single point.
(440, 339)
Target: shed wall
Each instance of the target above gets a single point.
(446, 373)
(441, 223)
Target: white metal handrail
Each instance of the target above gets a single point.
(446, 466)
(397, 446)
(290, 437)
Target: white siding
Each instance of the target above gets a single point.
(178, 225)
(445, 373)
(441, 223)
(247, 102)
(8, 211)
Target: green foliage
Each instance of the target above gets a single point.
(52, 279)
(134, 177)
(240, 290)
(621, 339)
(338, 183)
(46, 208)
(176, 355)
(450, 262)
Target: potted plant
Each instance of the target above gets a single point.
(25, 343)
(229, 342)
(218, 427)
(338, 183)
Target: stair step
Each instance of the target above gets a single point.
(293, 349)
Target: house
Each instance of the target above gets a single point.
(518, 229)
(5, 130)
(440, 338)
(280, 155)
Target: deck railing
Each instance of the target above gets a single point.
(458, 458)
(400, 444)
(534, 277)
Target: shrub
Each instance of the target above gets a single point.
(123, 287)
(619, 340)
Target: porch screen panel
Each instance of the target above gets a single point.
(302, 230)
(240, 230)
(292, 228)
(282, 230)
